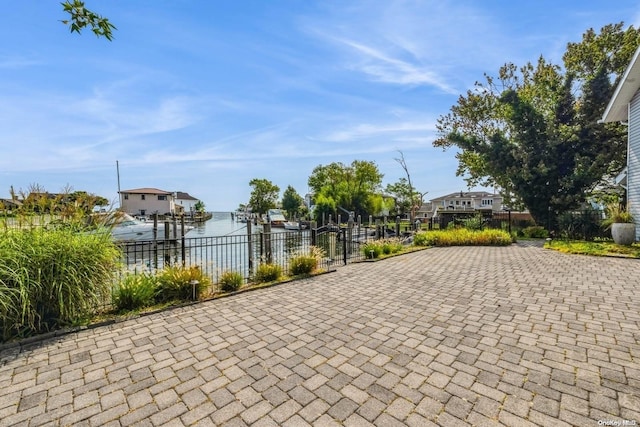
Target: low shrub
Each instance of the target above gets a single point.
(473, 223)
(462, 237)
(371, 249)
(535, 232)
(268, 273)
(391, 246)
(306, 263)
(177, 283)
(375, 248)
(302, 264)
(230, 281)
(134, 291)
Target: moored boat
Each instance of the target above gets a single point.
(294, 225)
(125, 228)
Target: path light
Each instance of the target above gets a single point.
(508, 209)
(194, 285)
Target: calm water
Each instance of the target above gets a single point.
(221, 224)
(224, 224)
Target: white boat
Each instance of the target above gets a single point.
(294, 225)
(276, 217)
(126, 228)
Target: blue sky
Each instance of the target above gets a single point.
(202, 96)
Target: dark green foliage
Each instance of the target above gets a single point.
(584, 225)
(264, 195)
(531, 133)
(535, 232)
(351, 187)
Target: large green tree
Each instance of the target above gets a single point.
(292, 202)
(264, 195)
(533, 131)
(349, 187)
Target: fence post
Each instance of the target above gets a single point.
(267, 243)
(155, 240)
(183, 254)
(349, 234)
(344, 246)
(250, 248)
(314, 233)
(397, 225)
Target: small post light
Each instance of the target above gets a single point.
(194, 285)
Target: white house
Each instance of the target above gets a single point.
(147, 201)
(186, 202)
(468, 201)
(624, 107)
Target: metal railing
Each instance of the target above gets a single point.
(244, 253)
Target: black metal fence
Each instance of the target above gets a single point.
(244, 253)
(576, 225)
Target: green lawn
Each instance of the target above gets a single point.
(594, 248)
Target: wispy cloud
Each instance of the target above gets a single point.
(16, 62)
(383, 67)
(375, 131)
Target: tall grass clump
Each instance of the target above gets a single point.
(462, 237)
(50, 278)
(305, 262)
(376, 248)
(230, 281)
(179, 283)
(268, 273)
(134, 291)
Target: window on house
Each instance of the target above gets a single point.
(162, 197)
(126, 197)
(487, 202)
(142, 197)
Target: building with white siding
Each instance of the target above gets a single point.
(147, 201)
(624, 107)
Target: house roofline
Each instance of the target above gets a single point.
(147, 190)
(617, 110)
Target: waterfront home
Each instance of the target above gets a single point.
(624, 107)
(185, 202)
(147, 201)
(469, 201)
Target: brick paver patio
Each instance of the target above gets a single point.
(448, 336)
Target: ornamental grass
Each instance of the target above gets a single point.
(51, 278)
(462, 237)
